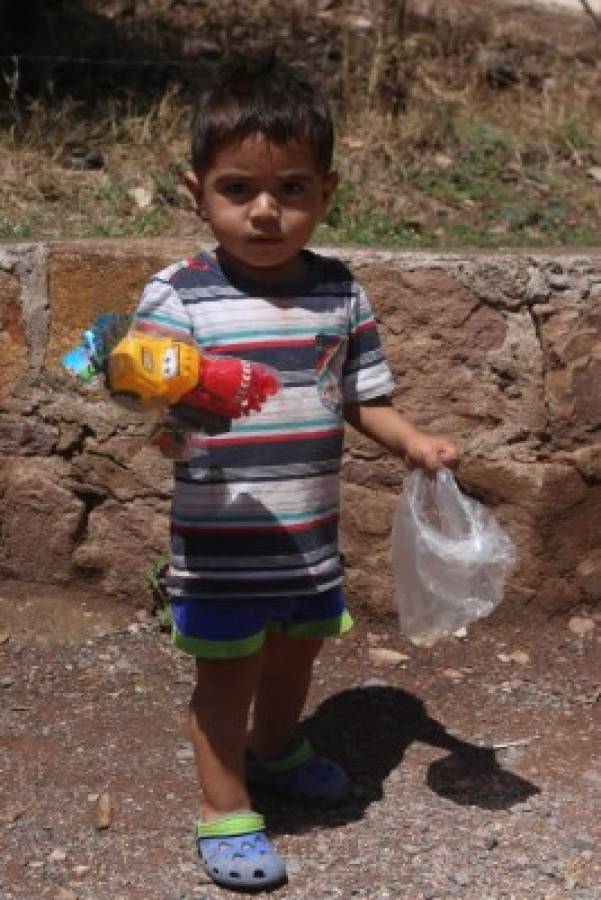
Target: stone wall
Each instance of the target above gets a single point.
(501, 351)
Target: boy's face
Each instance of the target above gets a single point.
(262, 201)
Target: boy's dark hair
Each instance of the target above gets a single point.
(260, 95)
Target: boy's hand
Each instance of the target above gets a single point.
(424, 451)
(380, 421)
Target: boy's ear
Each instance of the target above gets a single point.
(191, 181)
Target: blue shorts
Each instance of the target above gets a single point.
(225, 629)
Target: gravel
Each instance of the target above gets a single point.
(485, 786)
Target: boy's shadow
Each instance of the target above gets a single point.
(367, 730)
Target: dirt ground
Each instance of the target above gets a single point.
(475, 765)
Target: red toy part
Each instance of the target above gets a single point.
(232, 387)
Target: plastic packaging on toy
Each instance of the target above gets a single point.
(450, 558)
(197, 391)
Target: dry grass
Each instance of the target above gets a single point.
(458, 124)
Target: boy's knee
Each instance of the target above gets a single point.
(224, 674)
(283, 653)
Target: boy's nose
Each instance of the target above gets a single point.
(265, 208)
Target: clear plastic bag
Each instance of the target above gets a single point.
(450, 558)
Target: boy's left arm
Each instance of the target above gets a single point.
(380, 421)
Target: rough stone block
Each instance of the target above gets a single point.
(87, 278)
(570, 335)
(365, 541)
(14, 356)
(120, 543)
(460, 365)
(500, 351)
(41, 520)
(27, 437)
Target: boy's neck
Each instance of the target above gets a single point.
(292, 271)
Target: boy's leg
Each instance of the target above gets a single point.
(281, 691)
(279, 757)
(218, 723)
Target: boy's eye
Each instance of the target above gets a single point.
(235, 188)
(293, 188)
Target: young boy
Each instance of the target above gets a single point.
(255, 574)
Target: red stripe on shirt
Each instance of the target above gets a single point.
(246, 529)
(365, 326)
(269, 438)
(260, 345)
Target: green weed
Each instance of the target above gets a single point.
(21, 229)
(518, 215)
(482, 156)
(488, 146)
(149, 223)
(574, 134)
(460, 186)
(113, 192)
(459, 234)
(342, 202)
(154, 585)
(371, 227)
(551, 216)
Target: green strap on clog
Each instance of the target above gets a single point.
(231, 825)
(299, 754)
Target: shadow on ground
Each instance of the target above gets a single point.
(343, 729)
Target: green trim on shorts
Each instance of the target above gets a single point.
(316, 628)
(217, 649)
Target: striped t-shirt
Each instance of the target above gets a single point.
(255, 511)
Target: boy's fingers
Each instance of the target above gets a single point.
(432, 460)
(447, 454)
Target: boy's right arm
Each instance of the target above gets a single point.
(182, 373)
(160, 311)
